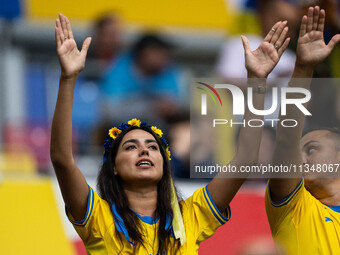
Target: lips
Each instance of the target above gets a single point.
(144, 162)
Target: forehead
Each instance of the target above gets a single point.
(317, 135)
(137, 134)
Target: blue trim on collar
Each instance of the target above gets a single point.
(168, 223)
(146, 219)
(335, 208)
(151, 220)
(120, 223)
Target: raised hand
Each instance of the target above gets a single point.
(72, 61)
(311, 48)
(262, 61)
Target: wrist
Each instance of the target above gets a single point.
(251, 75)
(303, 70)
(68, 77)
(258, 85)
(259, 89)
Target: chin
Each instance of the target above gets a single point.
(150, 178)
(309, 178)
(316, 180)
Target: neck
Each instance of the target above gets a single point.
(142, 200)
(327, 191)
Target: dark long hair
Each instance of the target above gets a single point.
(111, 189)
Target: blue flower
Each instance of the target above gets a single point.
(123, 126)
(107, 145)
(164, 141)
(144, 124)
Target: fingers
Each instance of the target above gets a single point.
(86, 45)
(314, 21)
(278, 32)
(272, 31)
(322, 18)
(63, 29)
(62, 19)
(316, 17)
(335, 39)
(281, 38)
(68, 26)
(245, 43)
(57, 37)
(278, 35)
(310, 19)
(303, 26)
(60, 32)
(283, 47)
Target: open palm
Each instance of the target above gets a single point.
(72, 61)
(311, 48)
(262, 61)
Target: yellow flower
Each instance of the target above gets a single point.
(168, 153)
(114, 132)
(134, 122)
(157, 131)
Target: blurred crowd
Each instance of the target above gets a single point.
(145, 77)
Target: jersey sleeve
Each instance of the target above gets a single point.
(96, 221)
(291, 208)
(201, 216)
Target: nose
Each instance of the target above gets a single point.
(144, 151)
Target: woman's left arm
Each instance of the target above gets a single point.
(259, 64)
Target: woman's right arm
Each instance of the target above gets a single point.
(72, 183)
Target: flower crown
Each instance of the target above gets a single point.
(115, 131)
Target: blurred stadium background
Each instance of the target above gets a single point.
(32, 218)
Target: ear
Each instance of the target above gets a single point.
(115, 171)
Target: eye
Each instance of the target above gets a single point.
(310, 150)
(153, 147)
(130, 147)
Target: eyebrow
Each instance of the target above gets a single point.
(306, 144)
(137, 141)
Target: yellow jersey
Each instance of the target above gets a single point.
(103, 233)
(301, 224)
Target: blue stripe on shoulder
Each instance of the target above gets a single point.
(287, 199)
(219, 216)
(89, 209)
(90, 213)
